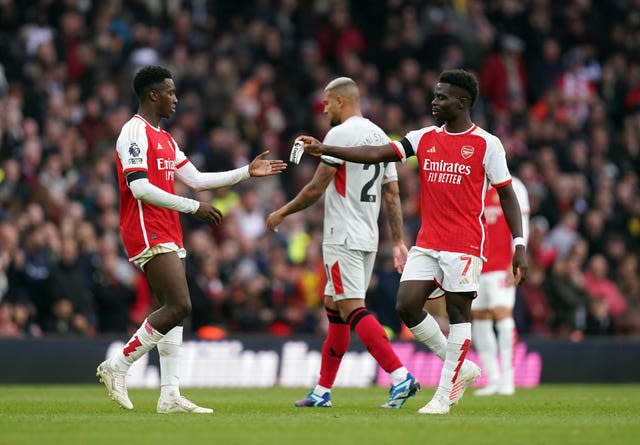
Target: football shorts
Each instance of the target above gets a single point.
(348, 271)
(496, 289)
(452, 271)
(158, 249)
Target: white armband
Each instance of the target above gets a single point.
(518, 241)
(143, 190)
(198, 180)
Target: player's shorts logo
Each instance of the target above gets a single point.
(134, 150)
(467, 151)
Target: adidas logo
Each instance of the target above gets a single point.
(159, 147)
(432, 149)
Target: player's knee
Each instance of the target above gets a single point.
(180, 311)
(407, 311)
(457, 314)
(186, 309)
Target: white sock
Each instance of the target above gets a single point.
(429, 334)
(506, 332)
(399, 375)
(484, 340)
(145, 338)
(320, 390)
(458, 344)
(169, 350)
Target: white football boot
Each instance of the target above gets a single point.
(180, 405)
(437, 405)
(468, 376)
(115, 383)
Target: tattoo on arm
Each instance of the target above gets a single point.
(393, 211)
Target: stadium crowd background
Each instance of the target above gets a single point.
(560, 84)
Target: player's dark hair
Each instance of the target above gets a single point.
(147, 77)
(462, 79)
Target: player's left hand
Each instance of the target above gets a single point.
(273, 220)
(400, 254)
(266, 167)
(520, 266)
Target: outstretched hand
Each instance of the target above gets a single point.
(311, 145)
(266, 167)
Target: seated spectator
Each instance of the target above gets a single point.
(538, 311)
(64, 320)
(24, 319)
(67, 295)
(112, 298)
(7, 327)
(606, 299)
(564, 287)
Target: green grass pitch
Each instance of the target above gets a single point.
(549, 414)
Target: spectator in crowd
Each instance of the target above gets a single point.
(567, 297)
(606, 302)
(67, 295)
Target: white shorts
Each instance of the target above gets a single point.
(452, 271)
(348, 271)
(496, 289)
(151, 252)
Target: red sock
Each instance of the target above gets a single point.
(374, 338)
(333, 348)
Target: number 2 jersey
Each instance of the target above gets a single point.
(455, 170)
(145, 148)
(352, 199)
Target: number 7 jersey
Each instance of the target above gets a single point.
(352, 199)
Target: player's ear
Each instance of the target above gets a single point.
(153, 95)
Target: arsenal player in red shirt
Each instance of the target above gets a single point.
(148, 161)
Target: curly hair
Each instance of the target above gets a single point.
(462, 79)
(147, 77)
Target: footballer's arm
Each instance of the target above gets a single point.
(309, 194)
(364, 154)
(199, 181)
(143, 190)
(393, 212)
(511, 210)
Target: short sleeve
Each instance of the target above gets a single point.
(132, 146)
(495, 163)
(181, 158)
(390, 173)
(408, 146)
(334, 138)
(522, 195)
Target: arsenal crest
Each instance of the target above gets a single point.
(466, 151)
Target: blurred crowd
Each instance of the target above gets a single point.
(560, 85)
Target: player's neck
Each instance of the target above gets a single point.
(149, 116)
(349, 114)
(458, 125)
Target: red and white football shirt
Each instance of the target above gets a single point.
(455, 169)
(499, 243)
(143, 147)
